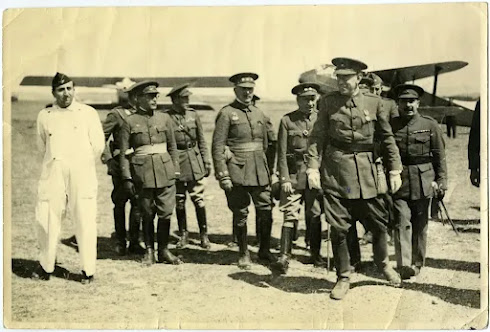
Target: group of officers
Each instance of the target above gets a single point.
(351, 155)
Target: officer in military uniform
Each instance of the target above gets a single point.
(294, 130)
(372, 84)
(194, 163)
(112, 126)
(150, 171)
(342, 141)
(238, 149)
(424, 175)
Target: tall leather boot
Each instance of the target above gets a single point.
(203, 227)
(282, 265)
(244, 261)
(134, 230)
(354, 248)
(265, 237)
(308, 232)
(257, 229)
(316, 242)
(163, 235)
(342, 266)
(149, 235)
(381, 258)
(120, 228)
(184, 234)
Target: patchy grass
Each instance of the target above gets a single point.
(209, 291)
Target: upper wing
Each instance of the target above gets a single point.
(395, 76)
(199, 82)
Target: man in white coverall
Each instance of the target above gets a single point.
(70, 136)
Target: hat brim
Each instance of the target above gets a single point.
(408, 96)
(246, 84)
(345, 72)
(307, 93)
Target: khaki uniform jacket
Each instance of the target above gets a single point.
(421, 145)
(243, 129)
(193, 152)
(151, 170)
(294, 131)
(341, 144)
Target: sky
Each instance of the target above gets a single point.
(276, 42)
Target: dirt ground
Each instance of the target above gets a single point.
(209, 291)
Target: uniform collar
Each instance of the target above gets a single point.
(241, 106)
(307, 115)
(148, 113)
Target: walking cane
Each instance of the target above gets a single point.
(441, 204)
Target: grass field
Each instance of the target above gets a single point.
(209, 291)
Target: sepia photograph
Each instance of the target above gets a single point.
(246, 167)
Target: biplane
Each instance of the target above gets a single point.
(108, 92)
(432, 105)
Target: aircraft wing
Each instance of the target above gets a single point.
(198, 82)
(395, 76)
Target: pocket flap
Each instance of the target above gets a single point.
(295, 133)
(422, 138)
(138, 160)
(165, 157)
(138, 129)
(424, 167)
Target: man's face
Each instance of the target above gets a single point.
(132, 100)
(244, 94)
(306, 103)
(64, 94)
(348, 83)
(182, 102)
(376, 89)
(408, 106)
(148, 101)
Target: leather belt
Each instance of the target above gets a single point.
(145, 150)
(247, 147)
(352, 147)
(416, 160)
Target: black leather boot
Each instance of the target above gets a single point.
(163, 234)
(282, 265)
(316, 242)
(257, 229)
(120, 228)
(184, 234)
(134, 230)
(149, 235)
(203, 227)
(265, 237)
(381, 259)
(234, 238)
(244, 261)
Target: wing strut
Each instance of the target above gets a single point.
(437, 69)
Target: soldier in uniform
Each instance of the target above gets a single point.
(71, 139)
(239, 145)
(194, 163)
(373, 85)
(424, 175)
(341, 155)
(294, 130)
(150, 171)
(112, 126)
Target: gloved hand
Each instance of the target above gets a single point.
(129, 187)
(475, 177)
(439, 192)
(313, 178)
(287, 187)
(395, 181)
(226, 184)
(209, 169)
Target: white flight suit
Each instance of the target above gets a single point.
(72, 140)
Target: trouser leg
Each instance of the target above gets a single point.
(353, 244)
(419, 231)
(403, 233)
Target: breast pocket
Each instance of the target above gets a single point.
(339, 123)
(420, 144)
(139, 136)
(160, 134)
(368, 120)
(295, 139)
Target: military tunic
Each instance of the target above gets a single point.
(112, 126)
(342, 140)
(155, 162)
(243, 130)
(294, 130)
(421, 145)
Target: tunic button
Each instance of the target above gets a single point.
(354, 128)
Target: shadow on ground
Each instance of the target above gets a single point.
(450, 264)
(24, 268)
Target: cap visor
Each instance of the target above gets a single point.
(345, 72)
(246, 84)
